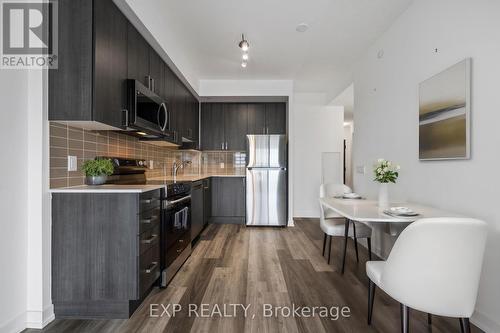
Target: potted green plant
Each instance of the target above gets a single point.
(97, 171)
(385, 172)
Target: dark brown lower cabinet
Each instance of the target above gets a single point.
(207, 200)
(228, 200)
(196, 209)
(105, 252)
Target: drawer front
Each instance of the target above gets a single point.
(149, 238)
(176, 249)
(149, 200)
(149, 219)
(149, 268)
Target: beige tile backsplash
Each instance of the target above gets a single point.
(69, 141)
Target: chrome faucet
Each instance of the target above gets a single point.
(178, 165)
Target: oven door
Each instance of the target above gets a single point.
(176, 227)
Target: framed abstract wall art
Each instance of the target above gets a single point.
(444, 114)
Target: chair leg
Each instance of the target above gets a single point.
(346, 235)
(329, 249)
(356, 247)
(429, 319)
(324, 244)
(405, 318)
(464, 325)
(369, 243)
(355, 241)
(371, 299)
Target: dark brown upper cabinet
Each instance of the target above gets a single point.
(138, 56)
(156, 73)
(144, 64)
(256, 119)
(192, 123)
(212, 126)
(235, 126)
(224, 126)
(178, 112)
(275, 118)
(89, 85)
(99, 49)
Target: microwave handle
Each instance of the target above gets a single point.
(163, 108)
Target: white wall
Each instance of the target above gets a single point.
(24, 202)
(13, 199)
(39, 309)
(386, 118)
(317, 129)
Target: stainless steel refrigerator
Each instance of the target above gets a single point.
(266, 190)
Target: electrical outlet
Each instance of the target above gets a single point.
(221, 165)
(151, 165)
(361, 169)
(72, 163)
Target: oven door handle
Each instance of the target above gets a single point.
(171, 203)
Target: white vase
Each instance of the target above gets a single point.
(383, 195)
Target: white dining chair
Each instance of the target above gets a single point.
(333, 224)
(434, 267)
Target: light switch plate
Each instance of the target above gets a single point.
(221, 165)
(151, 165)
(72, 163)
(361, 169)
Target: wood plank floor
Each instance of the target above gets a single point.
(232, 264)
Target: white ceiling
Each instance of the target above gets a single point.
(201, 37)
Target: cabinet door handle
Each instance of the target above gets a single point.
(148, 201)
(151, 219)
(222, 146)
(124, 117)
(149, 240)
(263, 130)
(151, 267)
(226, 145)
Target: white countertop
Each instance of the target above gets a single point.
(107, 188)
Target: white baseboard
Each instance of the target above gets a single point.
(14, 325)
(29, 319)
(485, 322)
(306, 214)
(40, 319)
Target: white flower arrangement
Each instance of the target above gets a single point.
(385, 171)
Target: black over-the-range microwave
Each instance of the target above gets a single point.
(147, 113)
